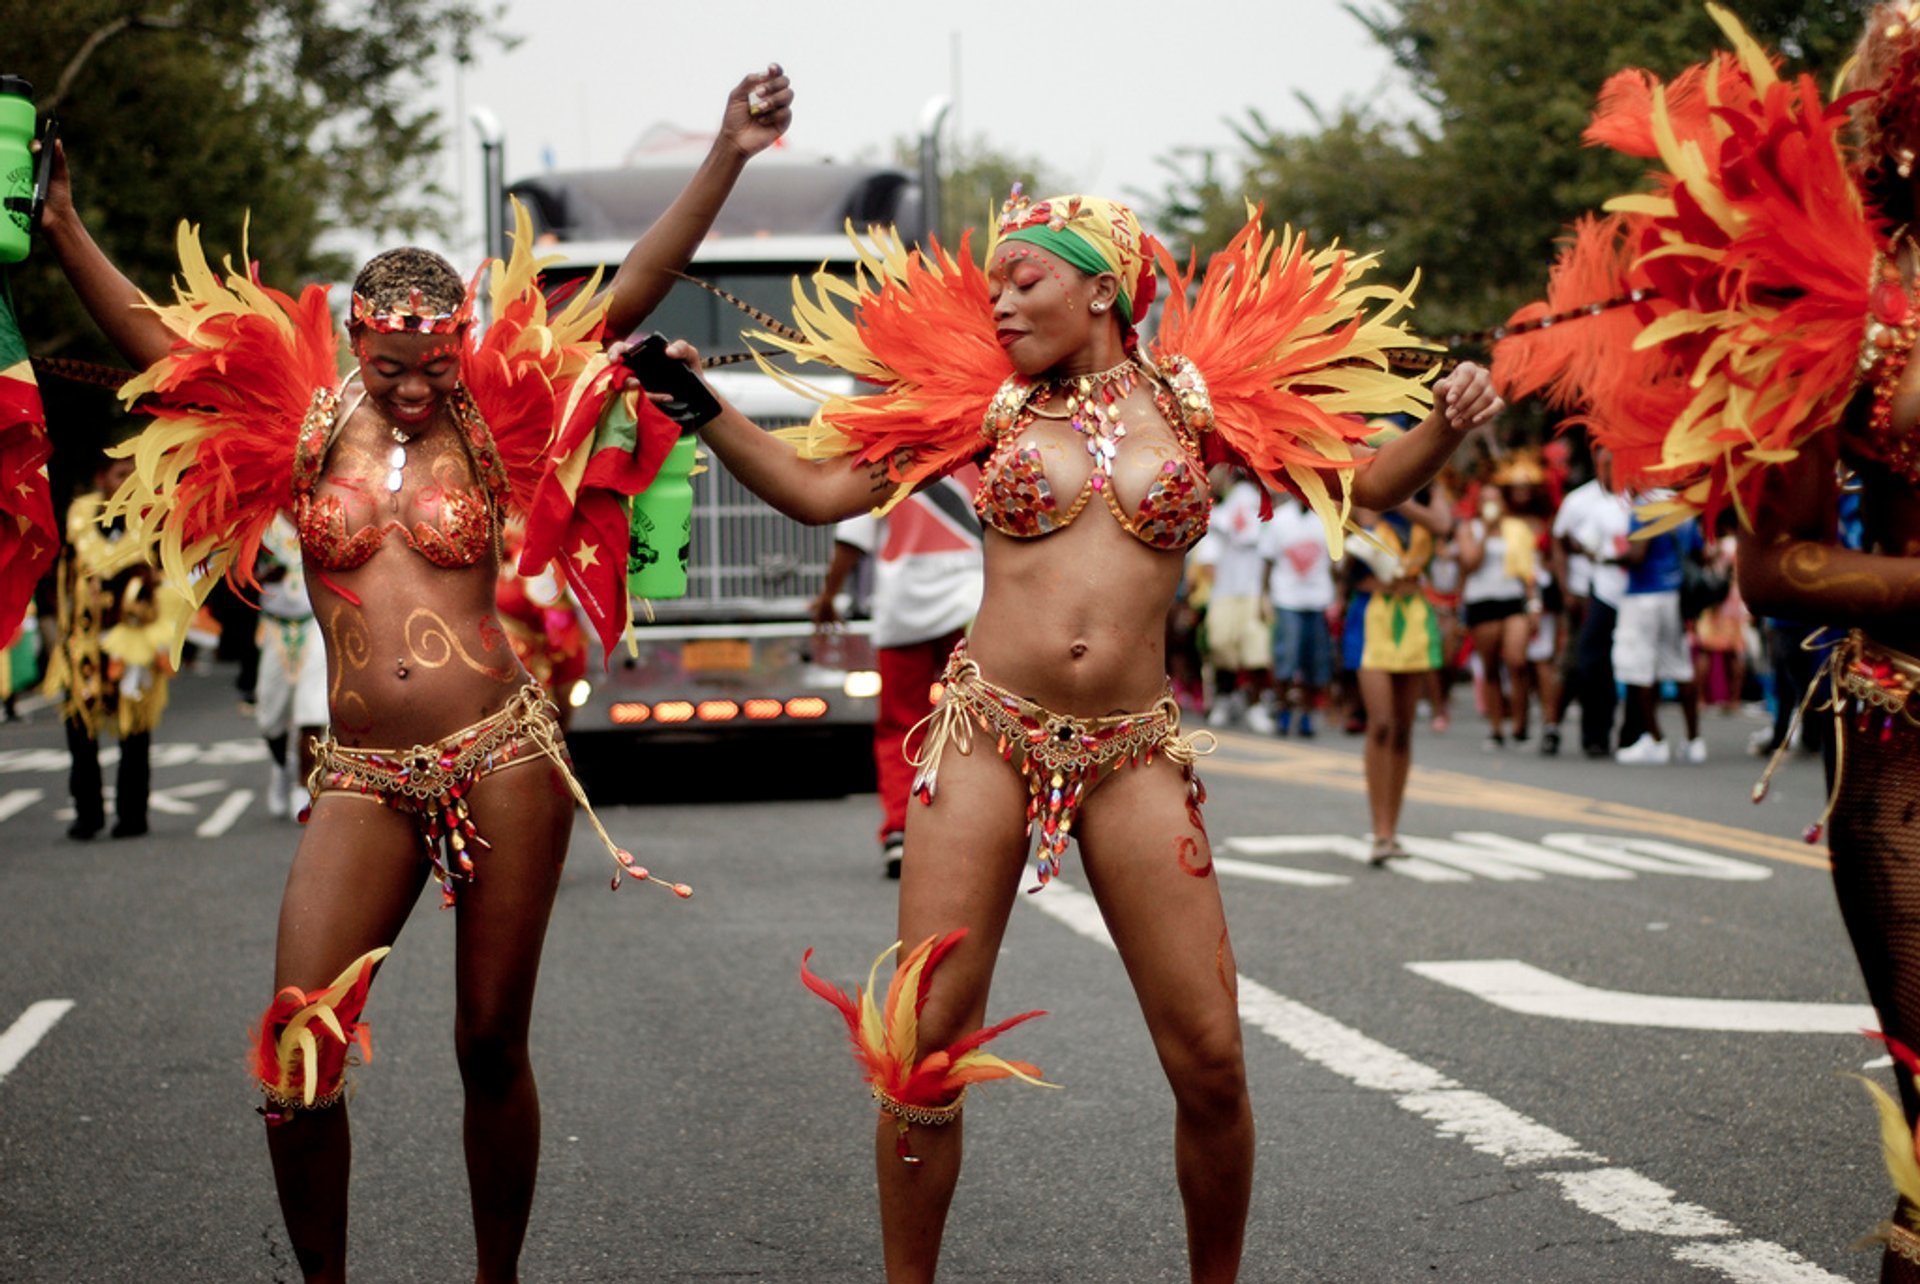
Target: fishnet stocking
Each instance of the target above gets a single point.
(1876, 875)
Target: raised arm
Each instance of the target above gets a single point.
(758, 111)
(1462, 401)
(814, 491)
(109, 297)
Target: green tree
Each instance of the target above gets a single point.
(307, 116)
(1474, 192)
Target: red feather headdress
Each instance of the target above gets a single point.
(1748, 266)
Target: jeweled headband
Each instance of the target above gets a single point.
(411, 317)
(1093, 234)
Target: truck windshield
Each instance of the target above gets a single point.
(708, 322)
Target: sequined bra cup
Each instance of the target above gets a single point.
(464, 534)
(1016, 498)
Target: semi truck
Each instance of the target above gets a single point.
(737, 662)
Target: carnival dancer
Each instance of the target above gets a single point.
(1753, 319)
(1056, 718)
(109, 665)
(1401, 645)
(441, 755)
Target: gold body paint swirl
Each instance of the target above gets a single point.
(348, 650)
(432, 644)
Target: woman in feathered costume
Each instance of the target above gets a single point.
(1756, 317)
(400, 482)
(1056, 718)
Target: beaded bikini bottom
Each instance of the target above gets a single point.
(1061, 757)
(433, 782)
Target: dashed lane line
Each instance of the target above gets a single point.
(1331, 769)
(230, 809)
(28, 1030)
(15, 801)
(1629, 1200)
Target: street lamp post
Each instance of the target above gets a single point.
(932, 117)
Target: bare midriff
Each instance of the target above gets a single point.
(1077, 621)
(415, 650)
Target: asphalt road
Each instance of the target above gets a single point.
(1499, 1062)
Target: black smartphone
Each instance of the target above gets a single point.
(43, 171)
(689, 402)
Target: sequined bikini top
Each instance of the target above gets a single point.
(1015, 497)
(468, 526)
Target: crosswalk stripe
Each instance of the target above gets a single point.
(1622, 1196)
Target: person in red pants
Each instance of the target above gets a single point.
(926, 589)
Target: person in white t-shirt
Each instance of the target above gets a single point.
(1239, 632)
(1299, 573)
(926, 590)
(1592, 527)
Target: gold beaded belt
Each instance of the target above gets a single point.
(433, 781)
(1061, 757)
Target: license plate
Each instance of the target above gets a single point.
(716, 655)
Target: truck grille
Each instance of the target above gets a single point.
(747, 558)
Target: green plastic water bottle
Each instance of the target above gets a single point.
(662, 524)
(16, 168)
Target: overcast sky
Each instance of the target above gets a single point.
(1097, 91)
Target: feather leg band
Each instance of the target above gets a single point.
(300, 1056)
(916, 1088)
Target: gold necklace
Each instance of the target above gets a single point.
(1093, 408)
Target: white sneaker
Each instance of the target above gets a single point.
(1644, 751)
(1221, 715)
(277, 791)
(1696, 750)
(1260, 720)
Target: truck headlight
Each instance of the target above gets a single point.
(861, 684)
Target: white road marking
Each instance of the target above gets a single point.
(1276, 873)
(216, 753)
(230, 809)
(1750, 1261)
(1478, 854)
(172, 801)
(1627, 1199)
(1634, 1203)
(31, 1027)
(15, 801)
(1354, 849)
(1521, 987)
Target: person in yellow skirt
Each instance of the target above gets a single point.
(108, 663)
(1402, 644)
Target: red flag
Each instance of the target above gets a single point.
(579, 513)
(28, 540)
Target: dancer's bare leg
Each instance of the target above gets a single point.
(1152, 872)
(526, 814)
(964, 856)
(354, 880)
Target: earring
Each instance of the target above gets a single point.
(1099, 307)
(1904, 162)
